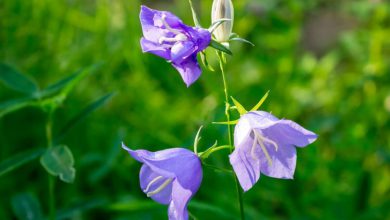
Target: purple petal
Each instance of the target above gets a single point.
(289, 132)
(246, 165)
(189, 70)
(146, 176)
(200, 36)
(154, 48)
(178, 207)
(283, 161)
(181, 51)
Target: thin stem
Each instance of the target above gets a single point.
(51, 179)
(230, 135)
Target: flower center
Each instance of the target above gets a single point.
(260, 139)
(178, 35)
(159, 188)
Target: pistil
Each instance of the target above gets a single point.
(160, 188)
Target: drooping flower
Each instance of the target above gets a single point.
(223, 9)
(264, 144)
(165, 35)
(169, 177)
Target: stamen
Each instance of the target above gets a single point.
(163, 17)
(152, 182)
(253, 149)
(160, 188)
(271, 142)
(260, 141)
(179, 37)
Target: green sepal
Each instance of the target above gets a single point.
(242, 40)
(240, 108)
(216, 24)
(226, 122)
(220, 47)
(204, 61)
(257, 106)
(194, 15)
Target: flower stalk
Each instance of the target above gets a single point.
(51, 179)
(230, 135)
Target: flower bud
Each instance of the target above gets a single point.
(222, 9)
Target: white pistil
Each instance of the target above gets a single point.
(179, 37)
(152, 182)
(261, 139)
(160, 188)
(163, 17)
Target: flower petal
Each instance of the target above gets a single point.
(154, 48)
(246, 164)
(283, 161)
(146, 177)
(180, 197)
(181, 51)
(189, 70)
(200, 36)
(150, 22)
(289, 132)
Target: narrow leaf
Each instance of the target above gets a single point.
(16, 81)
(226, 122)
(220, 47)
(205, 62)
(242, 40)
(194, 15)
(20, 159)
(240, 108)
(58, 161)
(26, 207)
(83, 114)
(257, 106)
(14, 105)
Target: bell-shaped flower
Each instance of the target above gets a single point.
(169, 177)
(165, 35)
(265, 144)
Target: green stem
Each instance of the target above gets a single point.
(51, 179)
(230, 135)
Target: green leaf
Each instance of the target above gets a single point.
(194, 15)
(65, 85)
(15, 104)
(80, 207)
(241, 40)
(83, 114)
(26, 207)
(216, 45)
(16, 81)
(20, 159)
(257, 106)
(240, 108)
(58, 161)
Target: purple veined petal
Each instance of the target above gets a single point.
(289, 132)
(182, 50)
(246, 164)
(178, 206)
(200, 36)
(154, 48)
(150, 181)
(283, 161)
(189, 70)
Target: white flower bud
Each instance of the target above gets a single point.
(222, 9)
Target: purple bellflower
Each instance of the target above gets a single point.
(170, 177)
(264, 144)
(165, 35)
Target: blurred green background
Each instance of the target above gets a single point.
(325, 62)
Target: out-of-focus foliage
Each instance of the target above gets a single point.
(326, 64)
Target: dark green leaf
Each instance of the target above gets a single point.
(220, 47)
(18, 160)
(17, 81)
(80, 207)
(65, 85)
(26, 207)
(15, 104)
(83, 114)
(58, 161)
